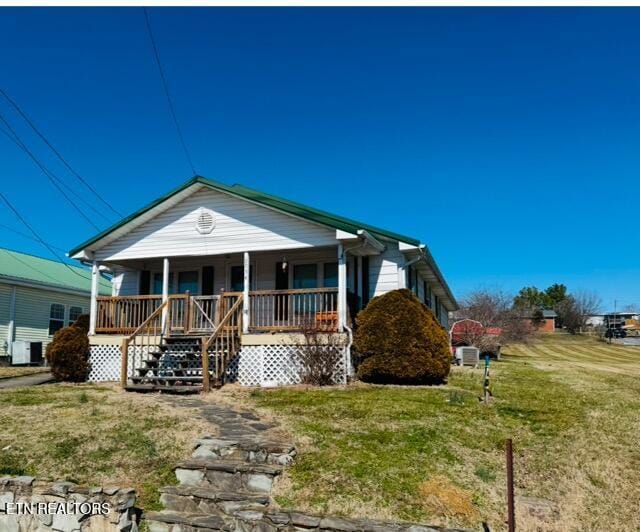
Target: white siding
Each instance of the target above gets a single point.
(383, 270)
(5, 303)
(239, 226)
(124, 282)
(33, 308)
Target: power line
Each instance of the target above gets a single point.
(25, 235)
(46, 172)
(57, 153)
(34, 232)
(22, 146)
(166, 91)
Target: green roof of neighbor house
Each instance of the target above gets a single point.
(274, 202)
(48, 273)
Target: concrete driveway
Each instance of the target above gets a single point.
(26, 380)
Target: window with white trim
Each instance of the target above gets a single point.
(56, 318)
(74, 314)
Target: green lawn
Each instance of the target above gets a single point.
(95, 435)
(571, 405)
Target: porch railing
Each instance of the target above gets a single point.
(124, 314)
(288, 310)
(269, 310)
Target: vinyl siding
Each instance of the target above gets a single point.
(33, 308)
(383, 271)
(239, 226)
(5, 303)
(124, 282)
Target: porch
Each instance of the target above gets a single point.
(269, 311)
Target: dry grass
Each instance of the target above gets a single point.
(6, 372)
(95, 435)
(571, 404)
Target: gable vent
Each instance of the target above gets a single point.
(205, 222)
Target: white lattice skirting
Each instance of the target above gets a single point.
(255, 365)
(273, 365)
(105, 361)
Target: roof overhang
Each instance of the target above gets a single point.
(420, 258)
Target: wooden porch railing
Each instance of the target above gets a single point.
(269, 310)
(143, 339)
(124, 314)
(287, 310)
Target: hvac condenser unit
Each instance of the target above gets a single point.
(26, 353)
(467, 356)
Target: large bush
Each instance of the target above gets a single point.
(398, 340)
(68, 354)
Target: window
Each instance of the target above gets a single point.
(157, 283)
(237, 278)
(56, 318)
(188, 281)
(330, 275)
(74, 314)
(426, 293)
(305, 276)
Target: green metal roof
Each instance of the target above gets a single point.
(30, 268)
(274, 202)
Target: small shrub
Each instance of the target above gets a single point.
(399, 340)
(319, 354)
(68, 354)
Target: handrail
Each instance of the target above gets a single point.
(206, 343)
(124, 368)
(154, 314)
(294, 291)
(224, 320)
(128, 298)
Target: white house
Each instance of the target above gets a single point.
(37, 297)
(241, 271)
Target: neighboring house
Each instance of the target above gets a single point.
(246, 272)
(548, 322)
(38, 297)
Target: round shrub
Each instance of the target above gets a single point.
(68, 354)
(398, 340)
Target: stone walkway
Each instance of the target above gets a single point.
(26, 380)
(231, 423)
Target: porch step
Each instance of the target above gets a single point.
(154, 388)
(228, 475)
(207, 499)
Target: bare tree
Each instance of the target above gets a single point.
(495, 309)
(575, 310)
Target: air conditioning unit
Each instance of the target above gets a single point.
(467, 356)
(23, 352)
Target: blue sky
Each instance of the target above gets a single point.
(506, 139)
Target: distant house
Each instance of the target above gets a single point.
(548, 322)
(38, 297)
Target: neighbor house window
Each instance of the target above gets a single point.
(74, 314)
(56, 318)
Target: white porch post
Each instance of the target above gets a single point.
(342, 288)
(165, 292)
(11, 333)
(245, 294)
(93, 307)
